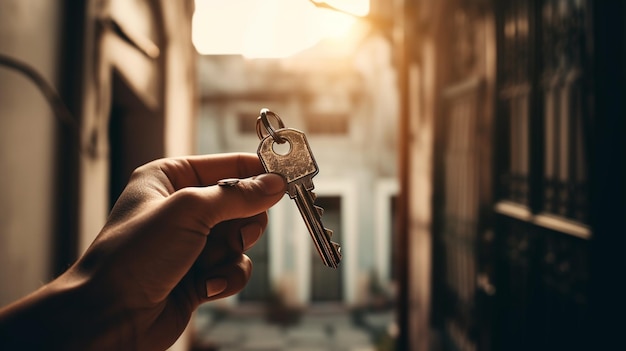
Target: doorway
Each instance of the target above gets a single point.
(326, 282)
(258, 288)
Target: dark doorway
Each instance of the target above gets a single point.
(326, 282)
(135, 136)
(258, 288)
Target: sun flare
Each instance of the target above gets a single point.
(269, 28)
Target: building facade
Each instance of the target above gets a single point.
(518, 110)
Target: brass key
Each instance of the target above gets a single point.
(298, 166)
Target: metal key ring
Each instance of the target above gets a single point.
(268, 127)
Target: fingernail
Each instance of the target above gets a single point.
(250, 234)
(272, 183)
(215, 286)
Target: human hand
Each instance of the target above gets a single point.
(173, 240)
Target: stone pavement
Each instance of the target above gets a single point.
(313, 332)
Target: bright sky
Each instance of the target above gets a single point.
(269, 28)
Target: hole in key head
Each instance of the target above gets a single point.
(282, 149)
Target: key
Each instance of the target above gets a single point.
(298, 166)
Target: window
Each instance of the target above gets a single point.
(245, 123)
(542, 117)
(327, 123)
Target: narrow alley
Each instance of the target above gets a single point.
(326, 330)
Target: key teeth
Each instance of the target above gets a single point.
(329, 233)
(319, 210)
(313, 196)
(337, 247)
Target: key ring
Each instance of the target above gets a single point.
(268, 127)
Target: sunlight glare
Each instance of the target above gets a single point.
(356, 7)
(268, 28)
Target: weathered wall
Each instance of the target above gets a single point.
(29, 31)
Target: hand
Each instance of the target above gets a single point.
(173, 240)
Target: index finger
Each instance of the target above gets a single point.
(206, 170)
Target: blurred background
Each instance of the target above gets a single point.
(471, 154)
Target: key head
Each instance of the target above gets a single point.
(297, 164)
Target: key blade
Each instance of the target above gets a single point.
(328, 250)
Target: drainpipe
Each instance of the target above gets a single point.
(400, 34)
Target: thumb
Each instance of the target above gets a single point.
(246, 198)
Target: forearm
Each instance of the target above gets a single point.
(59, 316)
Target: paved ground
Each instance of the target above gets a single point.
(314, 331)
